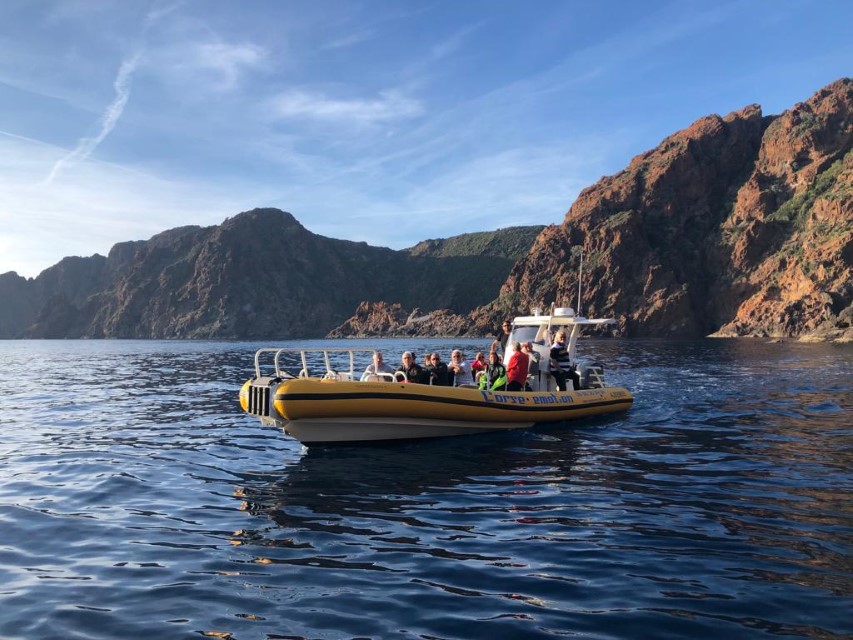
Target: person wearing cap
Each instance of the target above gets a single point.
(459, 369)
(413, 371)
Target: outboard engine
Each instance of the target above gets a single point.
(592, 375)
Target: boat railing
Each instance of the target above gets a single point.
(339, 364)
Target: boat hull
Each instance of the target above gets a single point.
(351, 430)
(315, 411)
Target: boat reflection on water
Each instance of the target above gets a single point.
(423, 486)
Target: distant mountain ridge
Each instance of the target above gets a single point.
(740, 225)
(259, 274)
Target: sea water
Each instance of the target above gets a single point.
(138, 501)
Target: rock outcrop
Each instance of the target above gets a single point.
(788, 243)
(737, 225)
(392, 320)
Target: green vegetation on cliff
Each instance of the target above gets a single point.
(511, 243)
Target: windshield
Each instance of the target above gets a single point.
(524, 334)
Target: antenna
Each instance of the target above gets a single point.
(580, 280)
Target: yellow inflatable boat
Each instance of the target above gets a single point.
(342, 406)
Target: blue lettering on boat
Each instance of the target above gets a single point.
(488, 396)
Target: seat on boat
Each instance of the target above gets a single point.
(337, 376)
(378, 377)
(592, 376)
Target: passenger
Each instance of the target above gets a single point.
(561, 366)
(533, 369)
(459, 369)
(413, 371)
(378, 365)
(503, 336)
(437, 371)
(494, 377)
(478, 365)
(516, 368)
(527, 347)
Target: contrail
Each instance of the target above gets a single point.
(86, 146)
(113, 112)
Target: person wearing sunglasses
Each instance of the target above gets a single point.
(503, 336)
(414, 372)
(437, 371)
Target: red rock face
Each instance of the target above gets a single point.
(739, 225)
(791, 228)
(384, 319)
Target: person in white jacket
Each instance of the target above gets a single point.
(378, 365)
(460, 369)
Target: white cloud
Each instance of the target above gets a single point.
(206, 64)
(390, 105)
(229, 61)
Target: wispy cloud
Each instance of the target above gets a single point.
(352, 39)
(389, 105)
(227, 61)
(450, 45)
(110, 117)
(200, 64)
(161, 9)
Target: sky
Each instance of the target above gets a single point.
(385, 121)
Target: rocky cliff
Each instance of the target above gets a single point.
(472, 258)
(738, 225)
(260, 274)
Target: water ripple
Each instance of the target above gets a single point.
(136, 501)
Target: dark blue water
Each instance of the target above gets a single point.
(137, 501)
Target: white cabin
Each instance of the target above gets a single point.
(539, 329)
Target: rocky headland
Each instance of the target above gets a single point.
(740, 225)
(260, 274)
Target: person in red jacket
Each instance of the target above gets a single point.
(516, 369)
